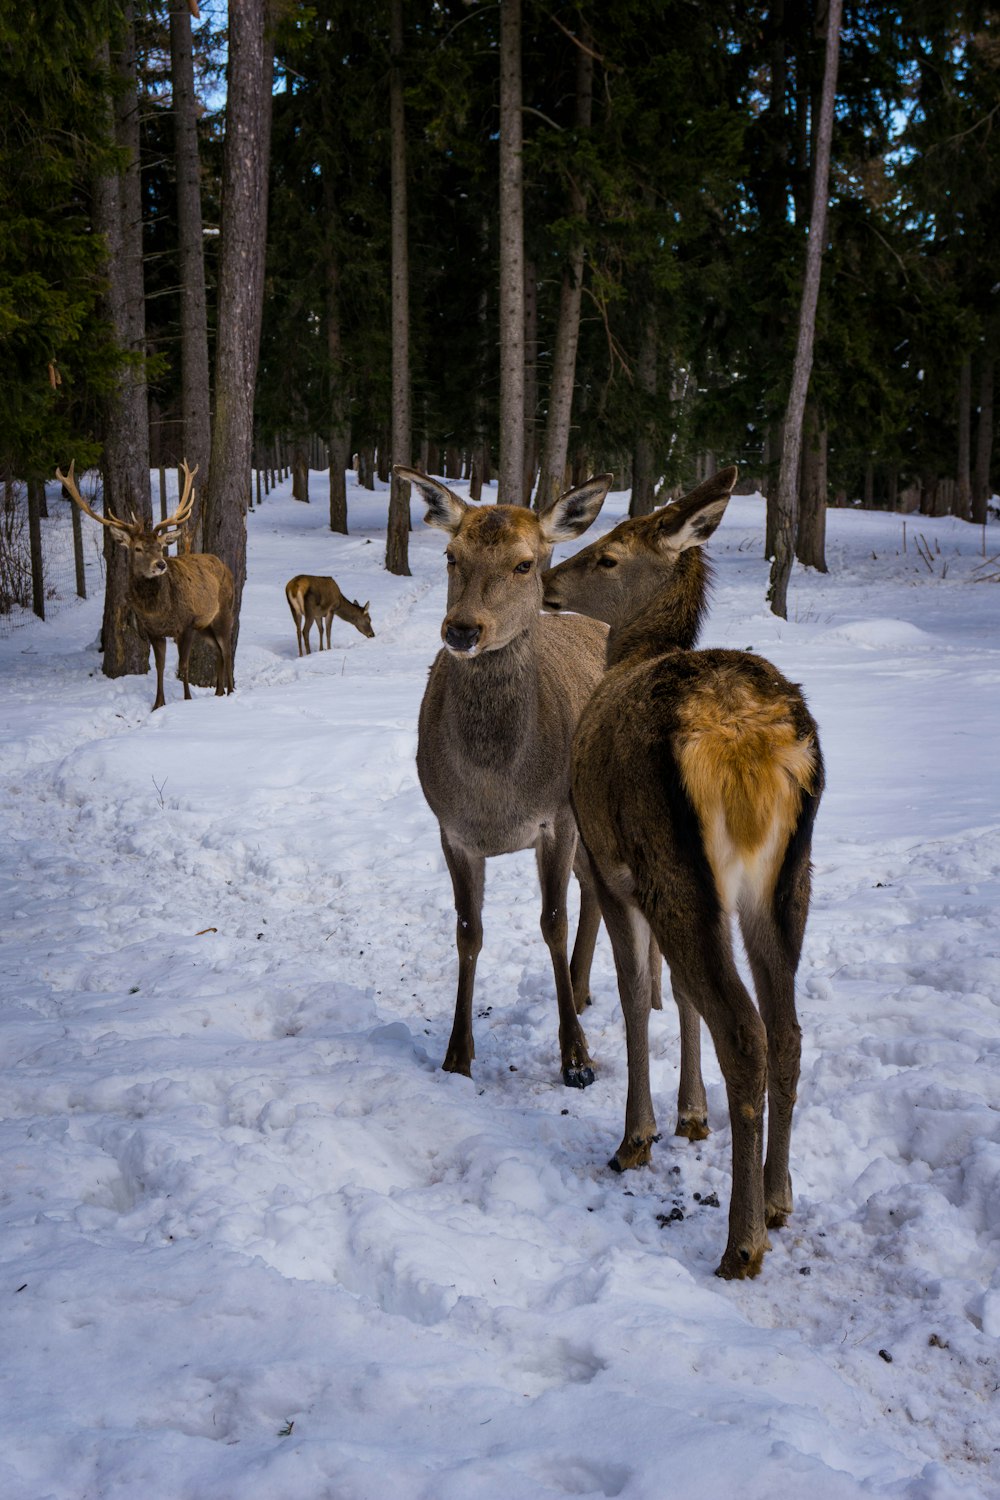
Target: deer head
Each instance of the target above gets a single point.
(615, 577)
(496, 557)
(147, 543)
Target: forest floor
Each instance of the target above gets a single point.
(255, 1243)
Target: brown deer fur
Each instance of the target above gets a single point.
(172, 596)
(696, 780)
(311, 598)
(496, 725)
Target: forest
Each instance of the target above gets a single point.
(520, 242)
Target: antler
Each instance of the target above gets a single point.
(69, 484)
(183, 512)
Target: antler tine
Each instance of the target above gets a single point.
(69, 485)
(183, 512)
(110, 519)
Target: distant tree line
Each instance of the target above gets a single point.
(534, 240)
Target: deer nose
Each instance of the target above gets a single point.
(462, 637)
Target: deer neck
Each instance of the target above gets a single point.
(491, 700)
(670, 619)
(152, 600)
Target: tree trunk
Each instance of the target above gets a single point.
(36, 492)
(643, 479)
(530, 381)
(511, 257)
(981, 488)
(963, 486)
(810, 537)
(791, 448)
(195, 391)
(241, 287)
(397, 541)
(118, 216)
(300, 473)
(556, 443)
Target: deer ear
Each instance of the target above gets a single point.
(444, 509)
(365, 605)
(120, 534)
(691, 521)
(570, 515)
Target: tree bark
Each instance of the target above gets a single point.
(530, 381)
(241, 287)
(196, 406)
(36, 492)
(981, 487)
(511, 258)
(810, 536)
(791, 448)
(397, 541)
(556, 443)
(642, 500)
(963, 486)
(118, 216)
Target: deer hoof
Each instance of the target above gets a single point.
(693, 1127)
(453, 1064)
(578, 1077)
(633, 1152)
(742, 1262)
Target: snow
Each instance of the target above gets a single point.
(255, 1243)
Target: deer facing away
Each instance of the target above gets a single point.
(496, 725)
(312, 598)
(696, 781)
(172, 596)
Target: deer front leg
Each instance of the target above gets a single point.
(554, 853)
(159, 645)
(586, 931)
(468, 872)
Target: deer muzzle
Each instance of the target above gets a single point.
(462, 639)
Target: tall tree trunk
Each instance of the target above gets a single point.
(643, 478)
(556, 443)
(195, 391)
(340, 422)
(810, 535)
(241, 286)
(511, 257)
(963, 486)
(118, 216)
(397, 541)
(530, 380)
(791, 448)
(981, 487)
(36, 493)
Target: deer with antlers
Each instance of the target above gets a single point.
(172, 596)
(696, 780)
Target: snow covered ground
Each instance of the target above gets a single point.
(255, 1245)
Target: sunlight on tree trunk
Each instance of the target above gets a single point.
(791, 448)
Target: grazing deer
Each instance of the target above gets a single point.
(172, 596)
(696, 780)
(496, 725)
(311, 598)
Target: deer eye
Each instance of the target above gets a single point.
(607, 562)
(451, 559)
(523, 567)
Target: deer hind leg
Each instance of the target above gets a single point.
(329, 627)
(468, 873)
(706, 971)
(633, 946)
(773, 951)
(692, 1103)
(554, 853)
(159, 645)
(307, 623)
(586, 931)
